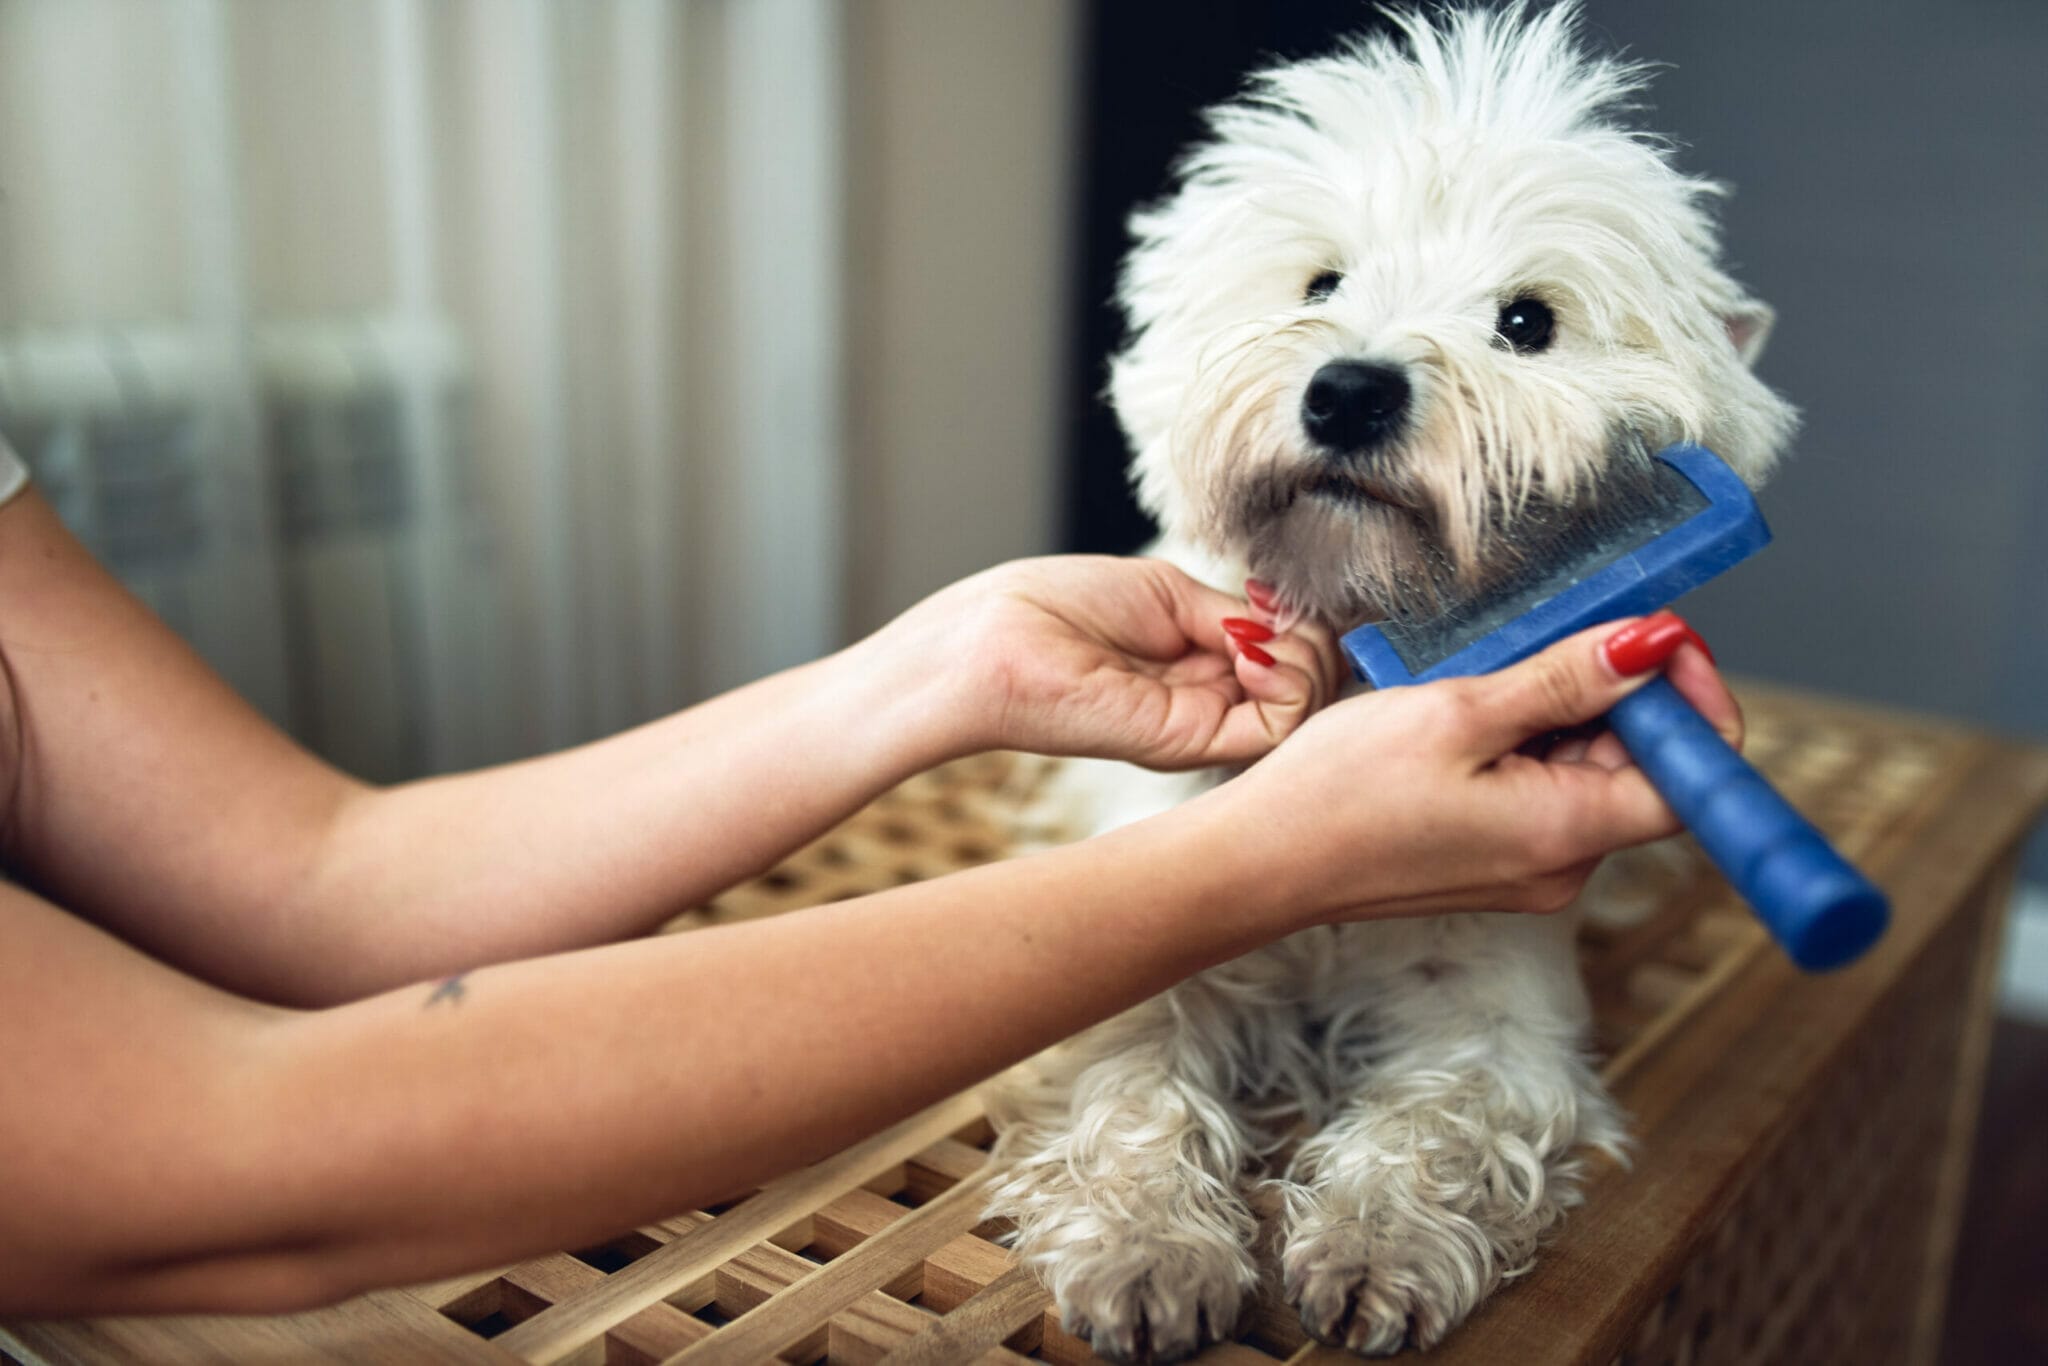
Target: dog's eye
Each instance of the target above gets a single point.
(1525, 325)
(1322, 287)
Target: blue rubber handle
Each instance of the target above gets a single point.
(1821, 909)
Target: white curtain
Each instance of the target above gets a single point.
(469, 377)
(461, 376)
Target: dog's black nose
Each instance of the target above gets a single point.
(1352, 407)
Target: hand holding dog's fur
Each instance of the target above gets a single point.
(1111, 658)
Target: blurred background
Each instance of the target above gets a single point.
(470, 377)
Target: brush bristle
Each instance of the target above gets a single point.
(1560, 548)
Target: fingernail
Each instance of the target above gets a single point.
(1261, 595)
(1242, 630)
(1645, 645)
(1254, 653)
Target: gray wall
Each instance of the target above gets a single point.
(1890, 160)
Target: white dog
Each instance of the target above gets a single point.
(1408, 301)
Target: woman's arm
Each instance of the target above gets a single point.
(158, 803)
(153, 800)
(172, 1147)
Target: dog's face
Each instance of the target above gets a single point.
(1415, 301)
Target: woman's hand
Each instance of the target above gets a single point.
(1114, 658)
(1449, 795)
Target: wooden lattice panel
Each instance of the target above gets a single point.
(1761, 1222)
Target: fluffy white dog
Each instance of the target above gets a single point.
(1409, 302)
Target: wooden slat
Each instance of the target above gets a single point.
(858, 1335)
(768, 1330)
(439, 1294)
(962, 1269)
(851, 1220)
(940, 1166)
(387, 1326)
(1012, 1302)
(1274, 1323)
(658, 1331)
(863, 1329)
(553, 1335)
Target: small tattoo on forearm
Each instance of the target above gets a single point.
(448, 989)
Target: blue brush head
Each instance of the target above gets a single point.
(1631, 552)
(1628, 554)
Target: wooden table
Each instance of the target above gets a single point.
(1802, 1142)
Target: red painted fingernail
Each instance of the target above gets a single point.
(1254, 653)
(1261, 595)
(1645, 645)
(1241, 630)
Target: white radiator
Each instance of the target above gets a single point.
(112, 423)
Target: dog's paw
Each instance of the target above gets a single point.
(1153, 1300)
(1370, 1294)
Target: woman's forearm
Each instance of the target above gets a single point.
(606, 840)
(152, 800)
(540, 1104)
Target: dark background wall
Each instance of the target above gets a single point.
(1890, 161)
(1149, 68)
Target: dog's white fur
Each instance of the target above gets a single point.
(1439, 1064)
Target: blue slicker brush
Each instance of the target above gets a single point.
(1633, 554)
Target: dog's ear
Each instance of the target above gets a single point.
(1749, 327)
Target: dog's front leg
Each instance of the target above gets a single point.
(1121, 1155)
(1452, 1154)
